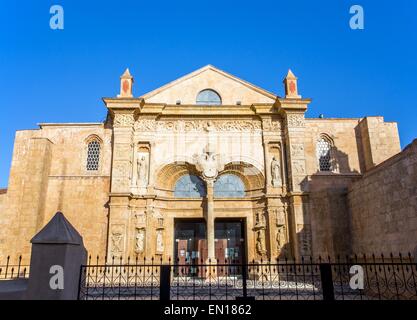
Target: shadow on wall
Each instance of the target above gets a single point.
(326, 230)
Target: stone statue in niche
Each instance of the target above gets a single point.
(276, 172)
(260, 229)
(159, 241)
(281, 238)
(260, 242)
(142, 169)
(140, 240)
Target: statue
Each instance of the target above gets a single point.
(280, 237)
(276, 172)
(260, 242)
(140, 240)
(159, 242)
(142, 171)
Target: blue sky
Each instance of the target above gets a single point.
(60, 76)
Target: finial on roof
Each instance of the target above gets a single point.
(126, 74)
(291, 86)
(126, 84)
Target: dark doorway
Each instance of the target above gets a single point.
(230, 241)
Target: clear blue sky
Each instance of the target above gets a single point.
(60, 76)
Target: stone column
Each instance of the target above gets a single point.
(210, 222)
(299, 219)
(123, 130)
(292, 109)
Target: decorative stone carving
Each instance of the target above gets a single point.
(159, 241)
(271, 125)
(145, 125)
(276, 172)
(142, 171)
(117, 238)
(123, 120)
(260, 230)
(297, 150)
(208, 163)
(281, 238)
(260, 242)
(140, 219)
(299, 167)
(140, 240)
(295, 120)
(211, 125)
(260, 219)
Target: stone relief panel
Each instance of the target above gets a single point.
(123, 120)
(295, 120)
(271, 125)
(281, 236)
(297, 151)
(260, 232)
(117, 240)
(299, 167)
(197, 125)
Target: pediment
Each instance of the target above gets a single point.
(230, 88)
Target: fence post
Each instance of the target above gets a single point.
(165, 283)
(327, 281)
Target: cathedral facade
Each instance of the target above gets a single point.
(208, 167)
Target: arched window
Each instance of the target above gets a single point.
(324, 153)
(209, 97)
(189, 186)
(93, 155)
(229, 186)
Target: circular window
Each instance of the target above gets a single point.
(209, 97)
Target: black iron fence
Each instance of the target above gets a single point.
(354, 278)
(13, 269)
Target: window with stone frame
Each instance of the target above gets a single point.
(93, 155)
(229, 186)
(208, 97)
(324, 154)
(189, 186)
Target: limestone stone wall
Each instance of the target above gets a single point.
(330, 217)
(3, 196)
(48, 174)
(379, 140)
(383, 206)
(345, 143)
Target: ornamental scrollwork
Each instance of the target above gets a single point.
(124, 120)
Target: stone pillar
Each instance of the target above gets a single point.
(210, 222)
(292, 109)
(57, 255)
